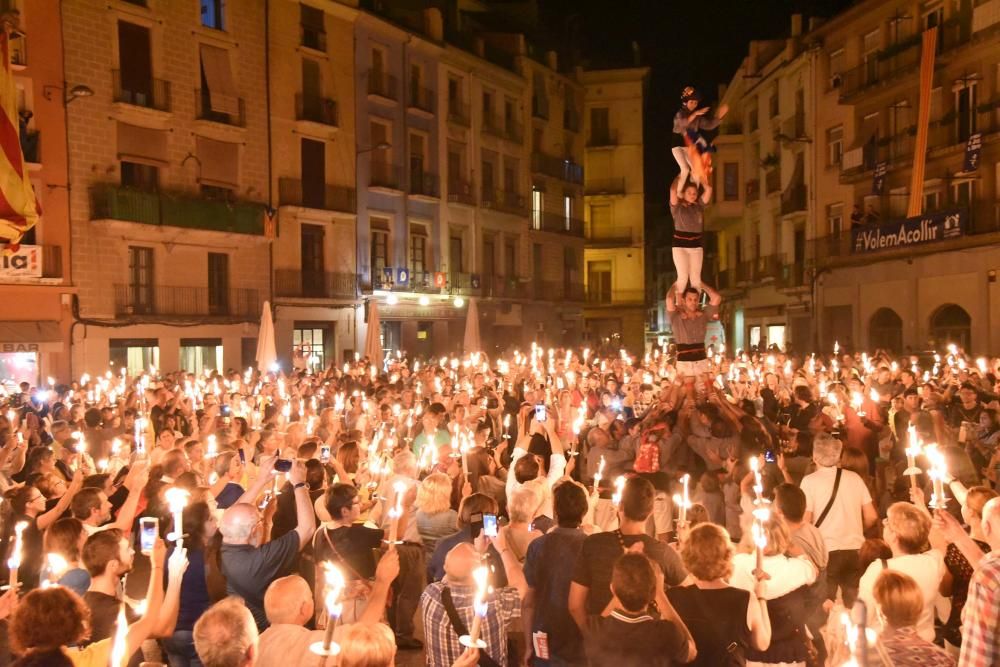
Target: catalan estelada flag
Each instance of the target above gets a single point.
(19, 209)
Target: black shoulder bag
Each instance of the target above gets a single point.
(833, 496)
(458, 625)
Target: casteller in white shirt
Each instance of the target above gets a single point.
(927, 569)
(843, 528)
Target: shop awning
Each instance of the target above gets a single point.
(35, 336)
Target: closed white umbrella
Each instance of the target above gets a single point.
(373, 338)
(472, 342)
(266, 354)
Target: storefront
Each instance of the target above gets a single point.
(23, 346)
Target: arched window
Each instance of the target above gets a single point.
(885, 330)
(951, 324)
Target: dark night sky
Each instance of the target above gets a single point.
(699, 43)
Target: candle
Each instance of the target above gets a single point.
(119, 648)
(213, 447)
(599, 474)
(760, 515)
(481, 576)
(758, 485)
(396, 512)
(14, 562)
(856, 400)
(334, 588)
(938, 472)
(912, 449)
(683, 502)
(616, 497)
(55, 567)
(177, 500)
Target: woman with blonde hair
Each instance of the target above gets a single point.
(788, 581)
(435, 517)
(900, 605)
(725, 621)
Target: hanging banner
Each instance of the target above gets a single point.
(403, 277)
(909, 232)
(25, 262)
(878, 177)
(972, 149)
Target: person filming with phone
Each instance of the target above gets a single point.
(538, 453)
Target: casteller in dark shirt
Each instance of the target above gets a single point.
(104, 610)
(548, 570)
(625, 639)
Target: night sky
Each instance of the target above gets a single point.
(698, 43)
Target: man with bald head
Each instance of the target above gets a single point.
(980, 638)
(250, 565)
(447, 605)
(289, 605)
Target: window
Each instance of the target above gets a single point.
(135, 62)
(965, 108)
(963, 193)
(568, 212)
(835, 219)
(309, 342)
(312, 26)
(140, 279)
(489, 260)
(379, 249)
(313, 172)
(885, 330)
(752, 121)
(509, 114)
(418, 184)
(951, 324)
(218, 283)
(488, 108)
(869, 49)
(489, 180)
(932, 201)
(538, 262)
(198, 355)
(135, 354)
(140, 176)
(569, 271)
(212, 13)
(312, 90)
(776, 335)
(537, 203)
(834, 145)
(600, 221)
(600, 128)
(731, 181)
(510, 170)
(416, 80)
(456, 256)
(311, 242)
(455, 97)
(510, 258)
(418, 250)
(599, 282)
(772, 104)
(898, 200)
(837, 68)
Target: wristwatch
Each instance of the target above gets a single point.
(298, 486)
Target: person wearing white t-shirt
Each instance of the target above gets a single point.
(906, 531)
(850, 514)
(531, 429)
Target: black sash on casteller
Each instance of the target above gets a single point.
(691, 352)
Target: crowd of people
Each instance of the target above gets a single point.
(553, 507)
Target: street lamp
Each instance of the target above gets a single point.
(79, 90)
(380, 146)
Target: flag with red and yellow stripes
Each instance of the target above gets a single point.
(19, 209)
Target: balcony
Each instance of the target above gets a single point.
(792, 276)
(753, 190)
(420, 281)
(203, 110)
(898, 59)
(605, 186)
(571, 119)
(539, 107)
(986, 15)
(385, 175)
(295, 283)
(605, 297)
(315, 109)
(602, 139)
(424, 184)
(793, 199)
(19, 51)
(332, 198)
(460, 192)
(421, 99)
(149, 94)
(772, 180)
(169, 301)
(794, 127)
(312, 37)
(382, 85)
(951, 131)
(112, 202)
(557, 223)
(504, 201)
(563, 169)
(610, 236)
(458, 113)
(504, 287)
(31, 146)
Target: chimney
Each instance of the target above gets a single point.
(434, 24)
(552, 60)
(796, 25)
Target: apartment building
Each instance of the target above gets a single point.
(614, 195)
(763, 180)
(168, 166)
(314, 148)
(35, 286)
(941, 287)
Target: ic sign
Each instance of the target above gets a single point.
(25, 263)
